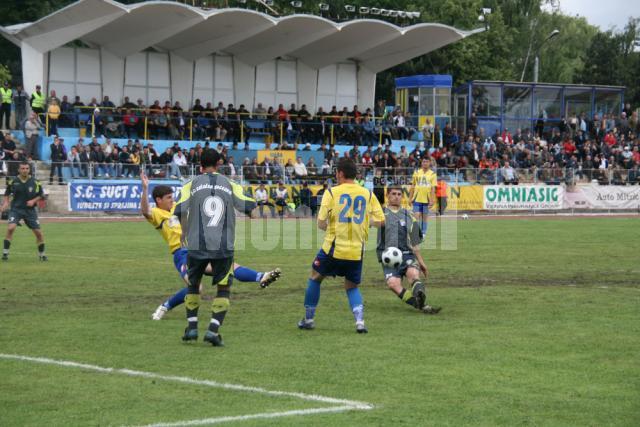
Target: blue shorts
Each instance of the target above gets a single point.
(328, 266)
(421, 208)
(180, 261)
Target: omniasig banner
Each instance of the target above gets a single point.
(112, 196)
(523, 197)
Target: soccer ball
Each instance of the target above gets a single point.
(392, 257)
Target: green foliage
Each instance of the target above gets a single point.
(581, 54)
(5, 74)
(539, 327)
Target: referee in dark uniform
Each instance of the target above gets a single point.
(206, 210)
(25, 192)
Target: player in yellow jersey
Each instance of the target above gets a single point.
(162, 218)
(423, 192)
(346, 213)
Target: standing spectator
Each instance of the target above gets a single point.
(441, 195)
(31, 134)
(305, 200)
(38, 101)
(5, 110)
(262, 199)
(53, 113)
(58, 157)
(85, 160)
(20, 99)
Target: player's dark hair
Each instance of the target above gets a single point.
(210, 158)
(24, 162)
(348, 168)
(159, 191)
(394, 187)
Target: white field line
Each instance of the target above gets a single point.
(342, 404)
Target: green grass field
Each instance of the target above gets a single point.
(540, 326)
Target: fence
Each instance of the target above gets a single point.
(9, 168)
(238, 127)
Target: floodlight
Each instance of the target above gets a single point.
(402, 14)
(384, 12)
(323, 7)
(296, 4)
(375, 11)
(364, 10)
(393, 13)
(350, 8)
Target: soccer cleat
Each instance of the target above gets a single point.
(159, 313)
(418, 292)
(5, 257)
(214, 339)
(44, 258)
(269, 277)
(190, 335)
(361, 329)
(427, 309)
(306, 324)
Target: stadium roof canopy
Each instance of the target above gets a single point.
(251, 36)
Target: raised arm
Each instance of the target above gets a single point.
(145, 209)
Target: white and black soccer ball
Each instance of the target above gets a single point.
(392, 257)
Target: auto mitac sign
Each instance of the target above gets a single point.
(523, 197)
(593, 196)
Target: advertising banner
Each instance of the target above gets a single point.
(523, 197)
(283, 155)
(112, 196)
(465, 198)
(593, 196)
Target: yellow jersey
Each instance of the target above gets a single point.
(169, 227)
(423, 183)
(348, 209)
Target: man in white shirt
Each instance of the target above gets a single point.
(300, 169)
(179, 160)
(509, 174)
(262, 199)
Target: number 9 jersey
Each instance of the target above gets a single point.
(206, 212)
(348, 208)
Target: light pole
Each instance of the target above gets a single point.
(536, 61)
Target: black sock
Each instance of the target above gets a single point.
(192, 304)
(7, 245)
(41, 249)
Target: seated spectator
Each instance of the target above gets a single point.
(262, 200)
(509, 174)
(312, 168)
(282, 198)
(289, 171)
(300, 169)
(305, 200)
(178, 164)
(73, 161)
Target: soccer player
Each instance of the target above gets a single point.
(206, 211)
(423, 192)
(346, 212)
(162, 218)
(24, 192)
(401, 231)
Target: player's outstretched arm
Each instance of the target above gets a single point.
(145, 209)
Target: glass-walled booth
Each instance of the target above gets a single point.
(538, 107)
(427, 98)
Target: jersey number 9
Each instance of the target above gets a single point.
(359, 205)
(213, 207)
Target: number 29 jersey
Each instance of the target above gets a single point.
(348, 209)
(206, 212)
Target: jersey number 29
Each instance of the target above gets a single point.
(359, 206)
(213, 207)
